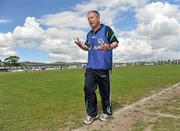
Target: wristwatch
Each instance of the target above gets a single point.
(110, 47)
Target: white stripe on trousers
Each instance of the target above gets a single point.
(110, 78)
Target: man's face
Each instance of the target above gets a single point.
(93, 19)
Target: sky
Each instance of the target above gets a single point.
(45, 30)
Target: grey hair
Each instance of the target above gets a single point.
(94, 11)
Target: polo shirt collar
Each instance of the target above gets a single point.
(94, 32)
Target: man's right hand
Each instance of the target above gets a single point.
(78, 42)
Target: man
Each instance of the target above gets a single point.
(99, 44)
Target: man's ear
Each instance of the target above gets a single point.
(98, 18)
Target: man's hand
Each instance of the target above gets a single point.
(104, 47)
(78, 42)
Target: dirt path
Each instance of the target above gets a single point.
(160, 111)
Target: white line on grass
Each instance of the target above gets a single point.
(145, 99)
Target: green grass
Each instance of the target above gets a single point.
(166, 124)
(170, 107)
(55, 99)
(131, 84)
(138, 126)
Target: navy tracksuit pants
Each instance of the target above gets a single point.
(101, 78)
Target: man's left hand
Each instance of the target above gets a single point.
(104, 47)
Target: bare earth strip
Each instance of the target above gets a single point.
(145, 114)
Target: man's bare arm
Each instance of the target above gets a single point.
(114, 45)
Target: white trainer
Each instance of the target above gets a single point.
(90, 119)
(105, 117)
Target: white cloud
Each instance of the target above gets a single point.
(64, 33)
(30, 30)
(132, 50)
(5, 21)
(77, 17)
(7, 44)
(105, 4)
(25, 36)
(62, 49)
(59, 43)
(151, 11)
(158, 25)
(67, 19)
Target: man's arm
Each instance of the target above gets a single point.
(111, 36)
(84, 47)
(113, 45)
(113, 41)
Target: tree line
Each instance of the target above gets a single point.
(10, 61)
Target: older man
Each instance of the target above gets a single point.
(99, 44)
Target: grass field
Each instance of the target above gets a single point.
(54, 99)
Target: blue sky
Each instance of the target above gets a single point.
(18, 10)
(39, 29)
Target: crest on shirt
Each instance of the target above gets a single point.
(100, 41)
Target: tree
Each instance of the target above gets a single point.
(12, 61)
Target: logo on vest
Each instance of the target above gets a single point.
(100, 41)
(94, 37)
